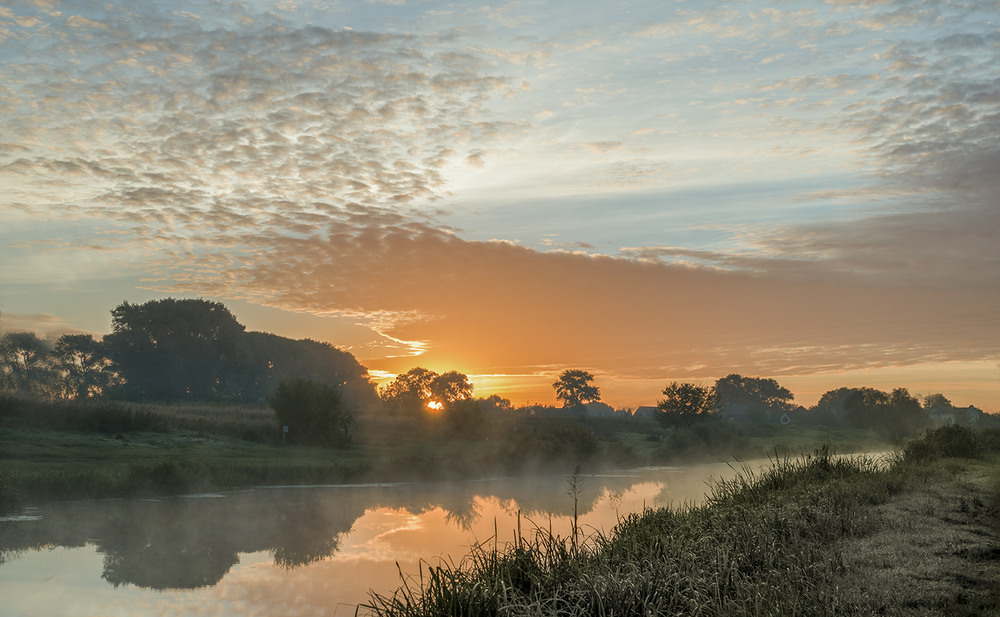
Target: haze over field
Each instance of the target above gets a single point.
(653, 191)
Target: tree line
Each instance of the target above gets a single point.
(896, 415)
(174, 350)
(185, 350)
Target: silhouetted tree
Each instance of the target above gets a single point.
(902, 416)
(863, 406)
(84, 366)
(895, 415)
(410, 391)
(450, 387)
(685, 403)
(265, 360)
(756, 397)
(575, 388)
(495, 402)
(26, 366)
(312, 411)
(830, 407)
(174, 349)
(937, 403)
(196, 350)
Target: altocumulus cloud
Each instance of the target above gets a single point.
(304, 167)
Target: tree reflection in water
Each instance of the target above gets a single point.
(193, 542)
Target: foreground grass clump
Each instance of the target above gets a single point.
(759, 546)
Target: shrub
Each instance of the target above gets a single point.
(313, 412)
(943, 442)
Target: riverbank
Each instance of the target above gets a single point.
(73, 451)
(916, 534)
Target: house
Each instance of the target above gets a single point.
(962, 416)
(598, 409)
(646, 411)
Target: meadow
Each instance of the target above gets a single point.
(903, 531)
(82, 450)
(911, 534)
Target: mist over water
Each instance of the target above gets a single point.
(290, 550)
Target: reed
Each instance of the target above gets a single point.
(763, 544)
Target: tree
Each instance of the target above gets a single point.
(937, 403)
(575, 388)
(863, 406)
(757, 397)
(895, 415)
(495, 402)
(685, 403)
(174, 349)
(26, 366)
(265, 360)
(450, 387)
(410, 391)
(313, 412)
(84, 367)
(902, 416)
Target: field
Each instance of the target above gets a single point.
(898, 531)
(68, 451)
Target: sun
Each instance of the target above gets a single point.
(435, 406)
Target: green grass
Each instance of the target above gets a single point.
(110, 449)
(44, 465)
(767, 543)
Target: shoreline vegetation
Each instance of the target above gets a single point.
(81, 450)
(915, 533)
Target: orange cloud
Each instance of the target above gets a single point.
(495, 307)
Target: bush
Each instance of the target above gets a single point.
(313, 412)
(943, 442)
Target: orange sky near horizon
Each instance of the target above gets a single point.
(805, 191)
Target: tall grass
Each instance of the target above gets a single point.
(763, 544)
(113, 417)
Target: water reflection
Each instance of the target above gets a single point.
(308, 550)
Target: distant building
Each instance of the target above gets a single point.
(646, 411)
(598, 409)
(962, 416)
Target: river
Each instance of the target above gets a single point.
(294, 550)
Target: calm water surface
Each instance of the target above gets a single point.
(292, 551)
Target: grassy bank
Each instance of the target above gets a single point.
(67, 451)
(781, 542)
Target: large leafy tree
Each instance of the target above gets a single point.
(450, 387)
(84, 366)
(174, 349)
(757, 397)
(410, 391)
(685, 403)
(863, 406)
(896, 415)
(413, 390)
(575, 388)
(26, 365)
(267, 359)
(937, 403)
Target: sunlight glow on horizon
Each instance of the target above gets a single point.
(675, 189)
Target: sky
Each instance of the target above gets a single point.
(648, 190)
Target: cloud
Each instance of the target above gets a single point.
(44, 326)
(305, 168)
(496, 305)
